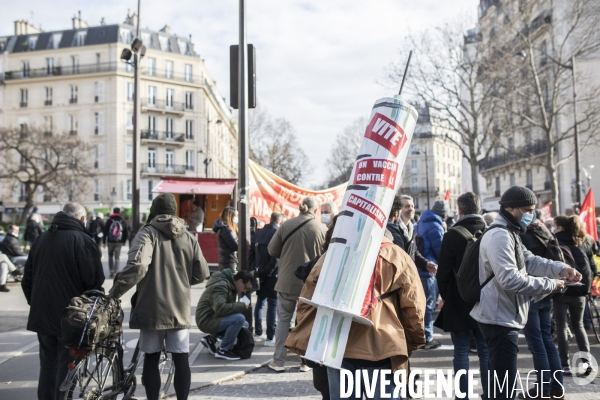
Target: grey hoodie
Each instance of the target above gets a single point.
(164, 260)
(505, 299)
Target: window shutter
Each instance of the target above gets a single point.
(144, 190)
(100, 189)
(100, 156)
(100, 91)
(125, 189)
(100, 122)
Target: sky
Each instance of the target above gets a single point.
(319, 62)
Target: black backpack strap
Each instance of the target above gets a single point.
(462, 231)
(295, 230)
(386, 295)
(487, 230)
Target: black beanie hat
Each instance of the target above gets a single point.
(518, 196)
(164, 203)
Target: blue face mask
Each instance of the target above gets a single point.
(526, 219)
(235, 220)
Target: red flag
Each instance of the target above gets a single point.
(587, 214)
(447, 196)
(546, 210)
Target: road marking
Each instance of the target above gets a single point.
(195, 353)
(18, 352)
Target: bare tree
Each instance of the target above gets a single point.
(274, 145)
(450, 74)
(538, 96)
(57, 164)
(344, 151)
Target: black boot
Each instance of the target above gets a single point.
(3, 288)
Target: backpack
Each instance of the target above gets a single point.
(266, 266)
(90, 319)
(467, 277)
(244, 344)
(115, 232)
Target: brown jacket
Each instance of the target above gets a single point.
(393, 335)
(302, 246)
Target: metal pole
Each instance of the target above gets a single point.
(405, 72)
(135, 180)
(427, 179)
(576, 136)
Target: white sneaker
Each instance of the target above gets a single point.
(275, 367)
(269, 343)
(305, 368)
(259, 338)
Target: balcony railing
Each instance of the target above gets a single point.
(164, 169)
(59, 71)
(419, 190)
(162, 105)
(47, 102)
(159, 73)
(73, 100)
(23, 104)
(72, 133)
(22, 198)
(162, 136)
(519, 154)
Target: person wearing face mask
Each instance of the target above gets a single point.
(516, 275)
(226, 229)
(328, 211)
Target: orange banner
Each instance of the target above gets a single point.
(270, 193)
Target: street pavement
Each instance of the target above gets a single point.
(213, 378)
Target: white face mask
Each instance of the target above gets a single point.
(235, 220)
(325, 218)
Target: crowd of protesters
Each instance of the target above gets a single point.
(523, 266)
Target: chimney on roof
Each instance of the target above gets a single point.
(78, 23)
(166, 29)
(102, 21)
(23, 27)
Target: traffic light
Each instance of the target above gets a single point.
(234, 74)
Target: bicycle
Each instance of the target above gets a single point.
(594, 315)
(98, 374)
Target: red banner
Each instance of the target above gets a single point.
(376, 171)
(546, 210)
(270, 193)
(587, 214)
(386, 133)
(367, 208)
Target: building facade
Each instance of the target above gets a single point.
(74, 81)
(434, 163)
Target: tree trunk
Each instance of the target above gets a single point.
(475, 177)
(553, 189)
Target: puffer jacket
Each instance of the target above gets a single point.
(518, 275)
(228, 246)
(430, 232)
(164, 261)
(218, 300)
(398, 321)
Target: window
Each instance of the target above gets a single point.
(72, 94)
(169, 128)
(99, 123)
(497, 191)
(99, 162)
(98, 58)
(128, 189)
(529, 179)
(79, 38)
(24, 96)
(170, 160)
(54, 41)
(72, 121)
(50, 66)
(151, 160)
(512, 180)
(25, 68)
(48, 96)
(74, 64)
(129, 66)
(169, 70)
(170, 95)
(130, 92)
(414, 166)
(98, 92)
(125, 36)
(183, 47)
(150, 186)
(511, 144)
(129, 121)
(164, 43)
(129, 154)
(152, 95)
(47, 159)
(147, 39)
(98, 189)
(189, 129)
(414, 184)
(151, 65)
(414, 149)
(32, 42)
(189, 159)
(189, 100)
(47, 125)
(188, 73)
(23, 130)
(151, 123)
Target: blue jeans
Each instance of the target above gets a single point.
(334, 381)
(503, 346)
(229, 327)
(540, 344)
(431, 294)
(271, 313)
(462, 345)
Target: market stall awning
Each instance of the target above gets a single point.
(195, 186)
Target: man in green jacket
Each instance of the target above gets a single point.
(164, 260)
(219, 313)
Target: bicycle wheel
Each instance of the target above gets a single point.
(594, 316)
(95, 376)
(166, 368)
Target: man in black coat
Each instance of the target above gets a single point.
(10, 245)
(63, 263)
(261, 261)
(454, 316)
